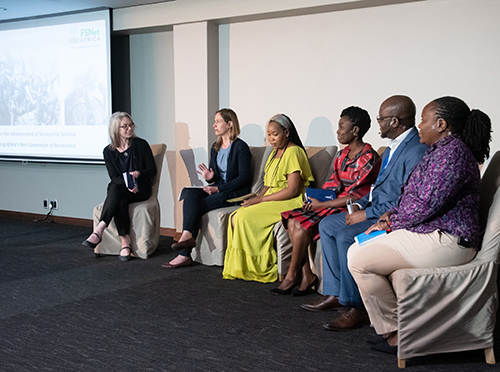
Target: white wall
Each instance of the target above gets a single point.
(308, 66)
(153, 105)
(77, 188)
(313, 66)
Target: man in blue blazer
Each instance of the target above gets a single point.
(397, 123)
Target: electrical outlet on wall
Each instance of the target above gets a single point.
(45, 203)
(55, 204)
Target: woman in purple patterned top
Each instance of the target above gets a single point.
(436, 221)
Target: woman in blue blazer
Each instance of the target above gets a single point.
(229, 176)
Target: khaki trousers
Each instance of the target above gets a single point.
(370, 264)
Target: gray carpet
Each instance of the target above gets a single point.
(62, 309)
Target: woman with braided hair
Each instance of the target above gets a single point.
(436, 221)
(250, 253)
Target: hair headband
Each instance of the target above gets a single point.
(282, 120)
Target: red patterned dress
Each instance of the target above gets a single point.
(352, 177)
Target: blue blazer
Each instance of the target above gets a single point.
(387, 188)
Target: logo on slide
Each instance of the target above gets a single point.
(84, 35)
(74, 33)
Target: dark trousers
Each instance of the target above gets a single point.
(116, 205)
(196, 203)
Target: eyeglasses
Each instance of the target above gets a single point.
(379, 119)
(127, 126)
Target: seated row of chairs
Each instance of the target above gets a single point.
(440, 310)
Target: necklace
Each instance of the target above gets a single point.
(277, 165)
(123, 150)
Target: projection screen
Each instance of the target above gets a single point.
(55, 88)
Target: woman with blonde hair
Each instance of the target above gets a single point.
(229, 176)
(131, 168)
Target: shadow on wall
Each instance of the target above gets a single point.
(188, 156)
(186, 166)
(186, 175)
(171, 164)
(180, 177)
(181, 142)
(320, 133)
(253, 135)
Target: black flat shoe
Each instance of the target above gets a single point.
(376, 340)
(127, 257)
(384, 347)
(90, 244)
(289, 290)
(298, 293)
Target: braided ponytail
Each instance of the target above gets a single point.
(472, 126)
(477, 134)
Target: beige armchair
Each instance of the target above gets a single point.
(211, 242)
(144, 220)
(212, 239)
(453, 309)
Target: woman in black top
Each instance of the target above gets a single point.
(127, 156)
(229, 175)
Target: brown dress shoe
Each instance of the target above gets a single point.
(348, 320)
(324, 303)
(185, 244)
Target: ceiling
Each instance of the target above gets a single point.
(16, 9)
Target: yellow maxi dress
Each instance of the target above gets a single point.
(250, 253)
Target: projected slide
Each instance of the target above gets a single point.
(55, 89)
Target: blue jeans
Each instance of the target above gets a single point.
(336, 238)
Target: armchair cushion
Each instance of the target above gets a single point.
(211, 242)
(445, 309)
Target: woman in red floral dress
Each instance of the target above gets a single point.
(355, 169)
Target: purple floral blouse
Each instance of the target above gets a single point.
(442, 193)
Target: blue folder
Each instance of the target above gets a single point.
(129, 181)
(320, 194)
(365, 238)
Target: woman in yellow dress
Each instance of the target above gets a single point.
(250, 253)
